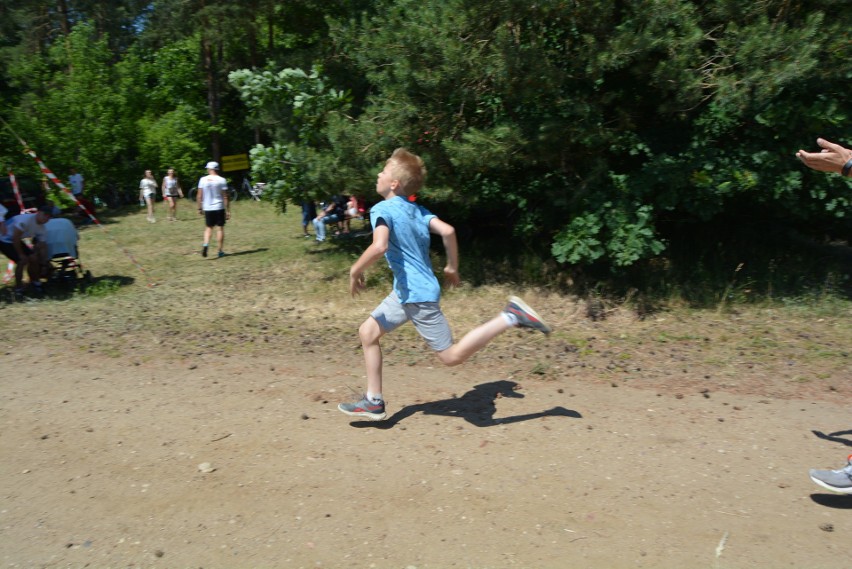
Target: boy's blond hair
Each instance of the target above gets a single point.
(409, 169)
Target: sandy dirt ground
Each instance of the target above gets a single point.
(160, 458)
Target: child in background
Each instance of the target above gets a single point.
(147, 191)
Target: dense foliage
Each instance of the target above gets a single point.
(647, 140)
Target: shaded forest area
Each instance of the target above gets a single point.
(640, 149)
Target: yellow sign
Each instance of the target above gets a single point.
(235, 162)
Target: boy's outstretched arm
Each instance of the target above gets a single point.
(451, 248)
(371, 254)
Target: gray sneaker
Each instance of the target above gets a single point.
(835, 480)
(364, 408)
(527, 317)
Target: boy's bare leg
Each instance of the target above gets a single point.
(473, 341)
(372, 405)
(370, 333)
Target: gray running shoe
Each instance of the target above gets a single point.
(527, 317)
(364, 408)
(835, 480)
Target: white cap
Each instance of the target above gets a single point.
(212, 166)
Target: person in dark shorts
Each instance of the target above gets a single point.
(309, 212)
(12, 245)
(213, 203)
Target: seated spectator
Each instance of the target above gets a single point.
(352, 212)
(334, 212)
(26, 226)
(60, 237)
(352, 208)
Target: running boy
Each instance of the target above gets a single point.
(401, 233)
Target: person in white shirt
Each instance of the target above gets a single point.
(171, 192)
(147, 191)
(26, 226)
(213, 204)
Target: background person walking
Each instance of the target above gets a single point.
(171, 192)
(147, 191)
(78, 184)
(213, 203)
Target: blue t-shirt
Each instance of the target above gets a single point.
(408, 249)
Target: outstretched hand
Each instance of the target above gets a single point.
(831, 158)
(357, 283)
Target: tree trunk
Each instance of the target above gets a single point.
(209, 61)
(65, 26)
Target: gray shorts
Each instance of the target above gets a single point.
(427, 317)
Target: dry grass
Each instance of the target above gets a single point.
(279, 293)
